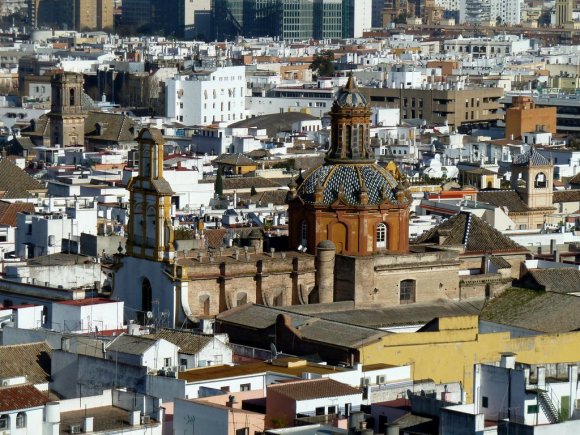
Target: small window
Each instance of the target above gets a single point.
(167, 362)
(225, 389)
(319, 411)
(484, 402)
(245, 387)
(532, 409)
(304, 232)
(243, 431)
(332, 409)
(183, 362)
(381, 236)
(4, 421)
(21, 420)
(407, 291)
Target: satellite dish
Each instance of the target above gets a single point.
(149, 314)
(273, 350)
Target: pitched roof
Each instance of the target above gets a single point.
(15, 183)
(188, 342)
(234, 160)
(274, 123)
(473, 233)
(231, 183)
(313, 389)
(21, 397)
(30, 360)
(566, 280)
(131, 344)
(575, 179)
(503, 198)
(531, 158)
(566, 196)
(114, 127)
(8, 211)
(534, 310)
(310, 328)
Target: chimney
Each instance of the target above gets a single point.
(508, 360)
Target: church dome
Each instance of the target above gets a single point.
(356, 184)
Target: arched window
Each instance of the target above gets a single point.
(72, 97)
(381, 236)
(241, 299)
(4, 422)
(541, 181)
(21, 420)
(146, 296)
(204, 302)
(407, 291)
(304, 232)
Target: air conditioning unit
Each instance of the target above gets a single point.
(75, 428)
(5, 383)
(365, 381)
(182, 368)
(381, 379)
(145, 419)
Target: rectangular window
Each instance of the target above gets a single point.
(166, 362)
(532, 409)
(245, 387)
(225, 389)
(243, 431)
(332, 409)
(407, 291)
(484, 402)
(319, 411)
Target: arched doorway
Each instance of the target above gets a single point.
(146, 298)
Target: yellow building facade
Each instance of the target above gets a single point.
(450, 353)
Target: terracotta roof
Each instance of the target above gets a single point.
(503, 198)
(535, 310)
(30, 360)
(188, 342)
(231, 183)
(21, 397)
(575, 179)
(276, 197)
(15, 183)
(314, 389)
(9, 210)
(566, 196)
(472, 232)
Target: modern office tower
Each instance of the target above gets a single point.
(80, 15)
(284, 19)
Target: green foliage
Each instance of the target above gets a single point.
(323, 63)
(218, 186)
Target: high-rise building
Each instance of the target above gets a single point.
(80, 15)
(284, 19)
(564, 11)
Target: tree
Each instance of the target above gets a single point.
(218, 186)
(323, 63)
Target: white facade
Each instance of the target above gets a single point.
(161, 355)
(362, 19)
(215, 353)
(207, 97)
(89, 315)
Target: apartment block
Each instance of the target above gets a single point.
(440, 104)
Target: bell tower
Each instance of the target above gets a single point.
(67, 117)
(533, 178)
(150, 232)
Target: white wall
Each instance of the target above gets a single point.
(155, 356)
(207, 419)
(309, 406)
(87, 318)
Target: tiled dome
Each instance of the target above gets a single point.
(349, 96)
(349, 180)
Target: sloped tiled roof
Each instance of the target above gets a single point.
(314, 389)
(276, 197)
(565, 280)
(531, 158)
(274, 123)
(188, 342)
(575, 179)
(8, 211)
(566, 196)
(503, 198)
(15, 183)
(21, 397)
(473, 233)
(115, 127)
(30, 360)
(535, 310)
(234, 160)
(130, 344)
(231, 183)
